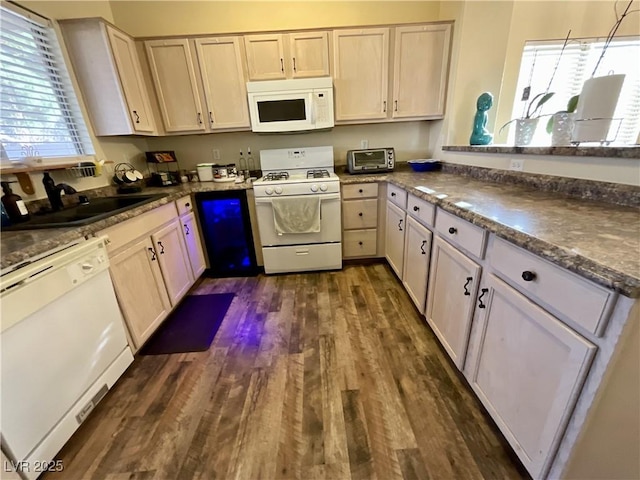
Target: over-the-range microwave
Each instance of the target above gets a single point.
(291, 105)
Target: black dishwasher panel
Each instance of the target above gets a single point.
(226, 228)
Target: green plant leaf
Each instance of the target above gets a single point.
(550, 124)
(573, 104)
(545, 98)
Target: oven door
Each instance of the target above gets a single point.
(330, 223)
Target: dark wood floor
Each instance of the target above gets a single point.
(328, 375)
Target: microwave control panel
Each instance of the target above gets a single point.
(322, 104)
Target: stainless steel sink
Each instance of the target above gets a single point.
(97, 209)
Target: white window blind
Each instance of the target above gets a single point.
(41, 117)
(575, 66)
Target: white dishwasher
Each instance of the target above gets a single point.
(62, 347)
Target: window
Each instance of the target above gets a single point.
(575, 66)
(40, 112)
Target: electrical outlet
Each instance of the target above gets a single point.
(517, 165)
(364, 143)
(216, 154)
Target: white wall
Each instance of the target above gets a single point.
(488, 42)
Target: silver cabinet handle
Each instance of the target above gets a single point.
(211, 118)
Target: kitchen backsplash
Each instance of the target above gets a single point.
(410, 140)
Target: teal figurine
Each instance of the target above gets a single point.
(480, 134)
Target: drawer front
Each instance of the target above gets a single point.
(129, 230)
(462, 233)
(185, 205)
(359, 243)
(397, 195)
(360, 190)
(567, 295)
(360, 214)
(302, 258)
(421, 210)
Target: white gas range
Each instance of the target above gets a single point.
(298, 210)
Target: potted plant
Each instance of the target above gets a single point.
(526, 126)
(560, 124)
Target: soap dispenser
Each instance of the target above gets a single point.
(13, 204)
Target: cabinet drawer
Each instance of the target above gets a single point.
(567, 295)
(421, 210)
(360, 190)
(397, 195)
(360, 213)
(129, 230)
(185, 205)
(462, 233)
(359, 243)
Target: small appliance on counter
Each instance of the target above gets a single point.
(167, 170)
(212, 172)
(371, 160)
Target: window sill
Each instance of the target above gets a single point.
(632, 151)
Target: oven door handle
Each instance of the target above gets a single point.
(326, 196)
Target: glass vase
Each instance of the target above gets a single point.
(525, 128)
(562, 129)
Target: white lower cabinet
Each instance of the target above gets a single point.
(454, 280)
(527, 368)
(140, 289)
(394, 240)
(417, 252)
(195, 253)
(173, 259)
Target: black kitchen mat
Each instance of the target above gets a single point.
(191, 326)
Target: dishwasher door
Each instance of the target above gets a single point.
(63, 345)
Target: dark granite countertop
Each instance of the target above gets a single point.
(630, 151)
(18, 246)
(598, 240)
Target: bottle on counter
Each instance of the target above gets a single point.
(6, 221)
(250, 164)
(13, 204)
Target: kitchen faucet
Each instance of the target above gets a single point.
(54, 191)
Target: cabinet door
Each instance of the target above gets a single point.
(421, 62)
(309, 52)
(394, 240)
(528, 371)
(175, 81)
(417, 251)
(360, 73)
(173, 259)
(140, 289)
(453, 283)
(265, 56)
(225, 89)
(194, 247)
(130, 74)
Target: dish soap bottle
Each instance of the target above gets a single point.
(13, 204)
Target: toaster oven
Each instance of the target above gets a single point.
(370, 160)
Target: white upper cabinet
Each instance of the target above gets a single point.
(109, 74)
(421, 59)
(224, 85)
(360, 73)
(265, 56)
(281, 55)
(309, 54)
(174, 78)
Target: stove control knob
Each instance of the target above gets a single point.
(278, 190)
(268, 190)
(323, 187)
(314, 188)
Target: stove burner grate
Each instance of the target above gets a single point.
(273, 176)
(318, 173)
